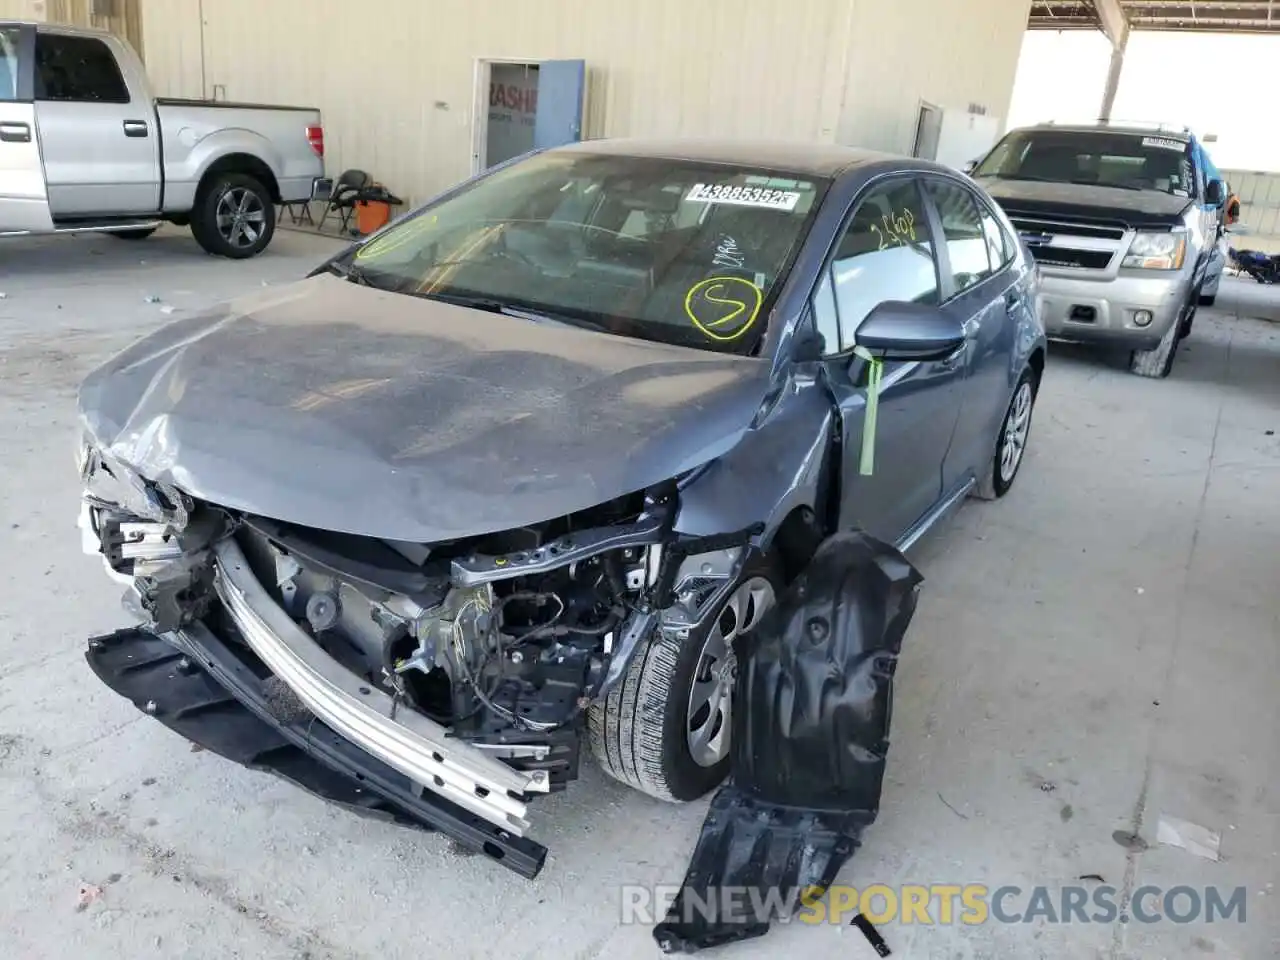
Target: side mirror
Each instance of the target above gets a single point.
(1213, 193)
(910, 331)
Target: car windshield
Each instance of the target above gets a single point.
(669, 250)
(1126, 160)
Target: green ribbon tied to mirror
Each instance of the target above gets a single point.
(875, 370)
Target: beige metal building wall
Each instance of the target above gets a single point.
(23, 9)
(953, 54)
(126, 21)
(1259, 209)
(399, 95)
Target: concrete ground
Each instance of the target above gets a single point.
(1097, 651)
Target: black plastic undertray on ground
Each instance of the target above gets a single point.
(218, 702)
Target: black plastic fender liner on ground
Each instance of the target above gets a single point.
(202, 688)
(814, 698)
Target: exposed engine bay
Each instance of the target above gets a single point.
(495, 645)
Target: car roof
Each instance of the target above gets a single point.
(1163, 133)
(812, 159)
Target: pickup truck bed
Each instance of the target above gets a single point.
(85, 147)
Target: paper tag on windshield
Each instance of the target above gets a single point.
(1164, 143)
(743, 196)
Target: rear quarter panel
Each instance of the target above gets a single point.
(197, 135)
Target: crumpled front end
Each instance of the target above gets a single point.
(460, 671)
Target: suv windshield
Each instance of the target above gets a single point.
(669, 250)
(1105, 158)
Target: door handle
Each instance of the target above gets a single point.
(15, 133)
(135, 128)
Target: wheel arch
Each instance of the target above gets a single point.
(1036, 362)
(244, 163)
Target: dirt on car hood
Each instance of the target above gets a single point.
(345, 408)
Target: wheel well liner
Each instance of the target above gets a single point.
(1036, 362)
(796, 540)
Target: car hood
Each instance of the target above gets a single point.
(340, 407)
(1136, 208)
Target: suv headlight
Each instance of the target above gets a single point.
(1157, 251)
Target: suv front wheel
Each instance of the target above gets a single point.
(1158, 361)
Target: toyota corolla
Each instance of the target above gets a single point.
(505, 481)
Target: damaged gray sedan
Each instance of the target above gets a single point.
(509, 478)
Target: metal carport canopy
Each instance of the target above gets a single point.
(1199, 16)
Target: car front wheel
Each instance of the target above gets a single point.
(665, 728)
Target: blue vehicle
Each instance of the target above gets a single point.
(511, 476)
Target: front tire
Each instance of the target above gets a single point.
(233, 216)
(1011, 442)
(664, 729)
(1158, 361)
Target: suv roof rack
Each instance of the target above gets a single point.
(1158, 126)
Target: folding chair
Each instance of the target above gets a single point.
(346, 190)
(299, 211)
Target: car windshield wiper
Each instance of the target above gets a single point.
(350, 272)
(511, 308)
(1115, 186)
(1023, 176)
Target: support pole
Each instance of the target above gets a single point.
(1113, 74)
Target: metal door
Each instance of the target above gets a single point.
(887, 253)
(24, 205)
(98, 138)
(559, 116)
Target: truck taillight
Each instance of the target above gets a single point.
(315, 137)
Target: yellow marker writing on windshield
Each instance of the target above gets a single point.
(723, 308)
(395, 238)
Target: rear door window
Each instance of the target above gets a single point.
(8, 64)
(963, 232)
(999, 246)
(80, 69)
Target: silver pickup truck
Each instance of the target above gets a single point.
(85, 147)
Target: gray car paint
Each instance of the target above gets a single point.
(335, 406)
(300, 405)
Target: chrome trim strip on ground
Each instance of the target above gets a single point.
(411, 743)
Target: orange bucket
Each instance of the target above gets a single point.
(371, 215)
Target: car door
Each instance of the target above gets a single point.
(986, 296)
(24, 205)
(887, 252)
(100, 147)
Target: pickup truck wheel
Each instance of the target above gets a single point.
(233, 216)
(134, 234)
(1158, 361)
(1011, 442)
(664, 729)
